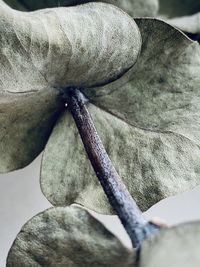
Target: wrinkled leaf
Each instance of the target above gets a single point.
(175, 247)
(62, 47)
(133, 7)
(148, 121)
(152, 165)
(67, 237)
(55, 47)
(26, 120)
(161, 92)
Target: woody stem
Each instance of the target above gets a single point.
(118, 195)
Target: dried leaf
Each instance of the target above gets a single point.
(67, 237)
(175, 247)
(26, 121)
(56, 47)
(148, 121)
(161, 92)
(61, 46)
(152, 165)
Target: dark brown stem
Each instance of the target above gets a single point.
(118, 195)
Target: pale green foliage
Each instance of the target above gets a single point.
(48, 48)
(174, 247)
(67, 237)
(72, 237)
(148, 121)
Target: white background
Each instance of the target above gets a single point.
(21, 198)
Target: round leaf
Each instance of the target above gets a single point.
(56, 47)
(153, 165)
(83, 45)
(26, 121)
(67, 237)
(148, 121)
(175, 247)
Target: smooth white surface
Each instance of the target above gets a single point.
(21, 198)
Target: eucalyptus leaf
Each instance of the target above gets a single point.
(177, 246)
(62, 47)
(133, 7)
(153, 165)
(67, 237)
(56, 47)
(26, 121)
(148, 121)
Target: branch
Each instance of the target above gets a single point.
(119, 197)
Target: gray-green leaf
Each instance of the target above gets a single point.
(67, 237)
(175, 247)
(149, 123)
(26, 121)
(55, 47)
